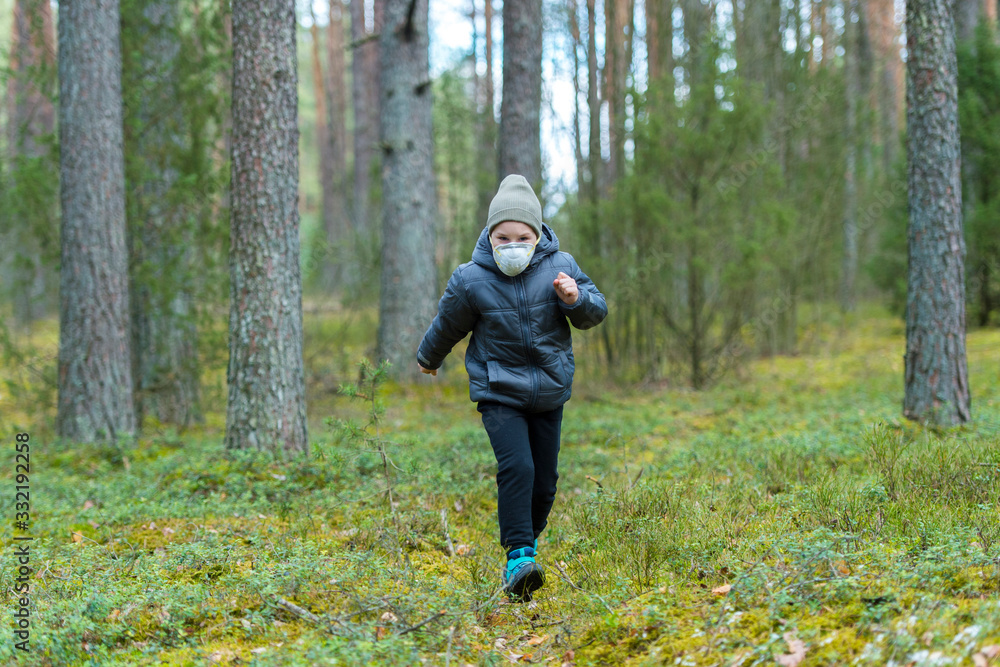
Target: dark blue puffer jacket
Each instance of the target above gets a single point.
(521, 350)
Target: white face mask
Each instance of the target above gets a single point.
(512, 258)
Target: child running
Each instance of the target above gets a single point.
(516, 296)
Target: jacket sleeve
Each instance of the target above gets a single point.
(590, 308)
(454, 320)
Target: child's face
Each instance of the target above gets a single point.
(512, 232)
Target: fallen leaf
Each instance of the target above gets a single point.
(514, 657)
(77, 537)
(990, 651)
(458, 506)
(536, 640)
(115, 613)
(389, 617)
(380, 632)
(151, 526)
(568, 658)
(500, 644)
(722, 590)
(87, 505)
(168, 531)
(980, 660)
(463, 549)
(796, 651)
(258, 650)
(842, 568)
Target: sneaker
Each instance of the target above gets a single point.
(522, 575)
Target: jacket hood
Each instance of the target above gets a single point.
(483, 253)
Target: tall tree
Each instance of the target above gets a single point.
(593, 107)
(486, 164)
(852, 75)
(164, 336)
(409, 197)
(30, 201)
(95, 382)
(936, 370)
(365, 100)
(328, 124)
(619, 20)
(659, 43)
(266, 408)
(519, 144)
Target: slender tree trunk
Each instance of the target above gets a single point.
(266, 408)
(95, 380)
(849, 269)
(574, 32)
(164, 336)
(519, 144)
(593, 105)
(659, 44)
(364, 87)
(409, 198)
(332, 206)
(30, 117)
(486, 182)
(936, 375)
(883, 34)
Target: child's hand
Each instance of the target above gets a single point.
(427, 370)
(566, 289)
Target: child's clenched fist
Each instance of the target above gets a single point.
(566, 289)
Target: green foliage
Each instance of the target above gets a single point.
(979, 99)
(686, 251)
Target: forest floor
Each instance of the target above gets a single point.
(787, 516)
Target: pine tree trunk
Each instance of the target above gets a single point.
(593, 106)
(409, 197)
(519, 144)
(333, 204)
(573, 23)
(486, 182)
(364, 88)
(95, 381)
(164, 337)
(266, 408)
(936, 375)
(849, 267)
(659, 45)
(30, 117)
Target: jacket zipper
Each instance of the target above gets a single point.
(522, 303)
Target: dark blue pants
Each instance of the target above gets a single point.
(526, 446)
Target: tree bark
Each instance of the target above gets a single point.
(266, 408)
(409, 196)
(849, 267)
(334, 210)
(593, 106)
(95, 382)
(659, 45)
(30, 117)
(519, 144)
(364, 88)
(486, 181)
(936, 370)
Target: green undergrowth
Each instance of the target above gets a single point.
(787, 510)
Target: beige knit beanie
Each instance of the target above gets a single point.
(515, 200)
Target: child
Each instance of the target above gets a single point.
(515, 297)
